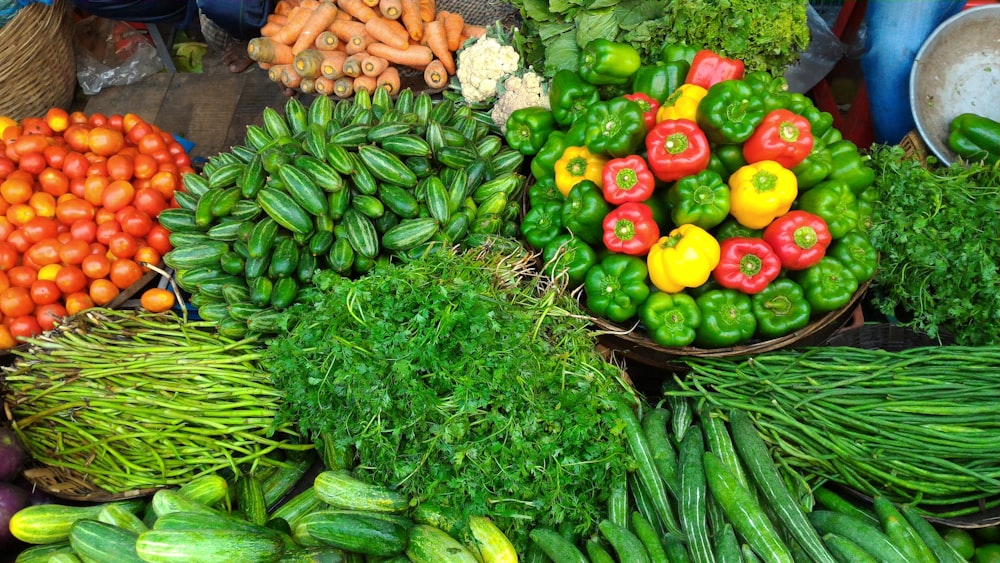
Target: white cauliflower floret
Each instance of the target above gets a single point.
(481, 67)
(527, 90)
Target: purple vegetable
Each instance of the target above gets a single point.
(12, 499)
(12, 455)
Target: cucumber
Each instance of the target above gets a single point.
(399, 200)
(208, 546)
(361, 233)
(284, 259)
(266, 321)
(455, 156)
(296, 115)
(406, 145)
(320, 242)
(846, 550)
(320, 111)
(626, 545)
(285, 211)
(830, 500)
(618, 503)
(596, 552)
(368, 205)
(428, 544)
(101, 542)
(185, 200)
(283, 293)
(243, 152)
(410, 233)
(179, 220)
(649, 537)
(489, 542)
(303, 503)
(507, 184)
(340, 489)
(349, 136)
(51, 523)
(205, 255)
(386, 166)
(436, 196)
(325, 176)
(339, 158)
(355, 531)
(649, 478)
(869, 537)
(194, 184)
(654, 428)
(943, 551)
(121, 517)
(256, 137)
(303, 189)
(387, 130)
(225, 175)
(691, 507)
(233, 263)
(901, 533)
(727, 545)
(277, 484)
(340, 257)
(274, 124)
(555, 546)
(253, 177)
(507, 161)
(165, 501)
(250, 498)
(44, 553)
(225, 232)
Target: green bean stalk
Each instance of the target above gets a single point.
(131, 400)
(919, 426)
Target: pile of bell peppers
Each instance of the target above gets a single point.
(709, 204)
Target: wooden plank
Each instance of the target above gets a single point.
(200, 108)
(142, 98)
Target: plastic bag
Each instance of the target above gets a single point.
(112, 53)
(824, 52)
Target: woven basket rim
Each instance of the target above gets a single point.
(37, 60)
(68, 484)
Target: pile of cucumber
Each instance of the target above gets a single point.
(706, 489)
(335, 186)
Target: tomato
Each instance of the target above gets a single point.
(151, 143)
(40, 228)
(22, 275)
(16, 189)
(97, 119)
(120, 167)
(158, 238)
(150, 201)
(123, 212)
(10, 256)
(157, 300)
(105, 141)
(30, 143)
(96, 266)
(15, 301)
(165, 182)
(130, 120)
(53, 181)
(44, 252)
(103, 215)
(125, 272)
(147, 255)
(43, 204)
(20, 213)
(93, 189)
(106, 230)
(77, 137)
(49, 271)
(103, 291)
(33, 163)
(57, 119)
(7, 166)
(136, 223)
(78, 301)
(19, 240)
(69, 211)
(117, 195)
(122, 245)
(25, 326)
(74, 251)
(144, 166)
(6, 228)
(70, 279)
(7, 340)
(75, 165)
(36, 126)
(115, 121)
(50, 315)
(98, 166)
(44, 292)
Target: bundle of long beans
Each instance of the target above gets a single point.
(920, 426)
(130, 400)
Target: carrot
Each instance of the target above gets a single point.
(435, 75)
(290, 78)
(346, 28)
(264, 66)
(388, 79)
(324, 86)
(309, 62)
(333, 65)
(390, 32)
(472, 30)
(318, 21)
(437, 40)
(307, 85)
(289, 32)
(416, 56)
(327, 41)
(269, 29)
(372, 3)
(411, 19)
(361, 11)
(282, 7)
(352, 64)
(364, 83)
(390, 9)
(428, 10)
(275, 71)
(358, 43)
(267, 50)
(373, 66)
(454, 23)
(343, 87)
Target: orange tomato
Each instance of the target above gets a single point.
(78, 301)
(7, 166)
(6, 227)
(7, 340)
(50, 315)
(40, 228)
(96, 266)
(55, 155)
(77, 137)
(43, 204)
(15, 301)
(158, 238)
(147, 255)
(22, 275)
(10, 256)
(70, 211)
(33, 163)
(44, 292)
(120, 167)
(74, 251)
(157, 300)
(102, 291)
(30, 143)
(152, 143)
(115, 121)
(106, 230)
(130, 120)
(136, 223)
(125, 272)
(16, 189)
(25, 326)
(75, 165)
(78, 117)
(106, 141)
(71, 279)
(117, 195)
(44, 252)
(35, 126)
(53, 181)
(165, 182)
(122, 245)
(150, 201)
(20, 213)
(97, 119)
(57, 119)
(144, 166)
(93, 189)
(19, 240)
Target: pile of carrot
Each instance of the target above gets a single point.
(337, 47)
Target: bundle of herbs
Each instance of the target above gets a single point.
(462, 380)
(937, 230)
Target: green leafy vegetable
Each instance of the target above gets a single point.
(937, 230)
(458, 378)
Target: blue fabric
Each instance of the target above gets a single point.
(139, 11)
(242, 19)
(896, 29)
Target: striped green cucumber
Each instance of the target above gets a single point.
(489, 146)
(830, 500)
(596, 551)
(250, 498)
(743, 511)
(266, 321)
(410, 233)
(406, 145)
(194, 184)
(51, 523)
(488, 542)
(423, 103)
(368, 205)
(207, 489)
(182, 239)
(303, 503)
(436, 197)
(455, 157)
(381, 99)
(340, 257)
(727, 545)
(627, 546)
(256, 266)
(507, 184)
(618, 503)
(203, 215)
(356, 531)
(387, 130)
(691, 507)
(256, 137)
(278, 483)
(556, 547)
(654, 428)
(314, 141)
(262, 237)
(719, 440)
(320, 110)
(296, 115)
(243, 152)
(208, 546)
(846, 550)
(340, 489)
(322, 173)
(101, 542)
(386, 166)
(399, 200)
(303, 189)
(901, 533)
(225, 232)
(507, 161)
(320, 242)
(226, 175)
(362, 178)
(649, 478)
(284, 258)
(339, 157)
(44, 553)
(456, 228)
(274, 124)
(387, 221)
(121, 517)
(204, 255)
(428, 544)
(253, 177)
(285, 211)
(165, 501)
(349, 136)
(178, 220)
(284, 292)
(943, 550)
(185, 200)
(361, 233)
(766, 478)
(682, 416)
(649, 537)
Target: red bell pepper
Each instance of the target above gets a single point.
(649, 107)
(627, 179)
(631, 229)
(783, 137)
(708, 67)
(676, 148)
(799, 238)
(746, 264)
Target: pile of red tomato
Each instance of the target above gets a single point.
(79, 197)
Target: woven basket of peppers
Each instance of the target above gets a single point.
(697, 209)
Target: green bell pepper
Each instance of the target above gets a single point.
(617, 286)
(616, 127)
(543, 164)
(729, 112)
(834, 202)
(671, 319)
(975, 138)
(732, 228)
(603, 61)
(567, 258)
(857, 253)
(584, 210)
(701, 199)
(678, 52)
(850, 167)
(780, 309)
(660, 80)
(731, 157)
(828, 285)
(726, 318)
(773, 90)
(542, 223)
(544, 189)
(815, 168)
(528, 128)
(570, 96)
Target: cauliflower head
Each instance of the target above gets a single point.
(526, 90)
(482, 65)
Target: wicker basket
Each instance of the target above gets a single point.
(37, 63)
(68, 485)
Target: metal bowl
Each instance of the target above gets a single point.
(957, 70)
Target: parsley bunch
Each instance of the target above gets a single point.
(459, 379)
(937, 230)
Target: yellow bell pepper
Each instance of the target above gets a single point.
(683, 258)
(577, 164)
(682, 103)
(761, 192)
